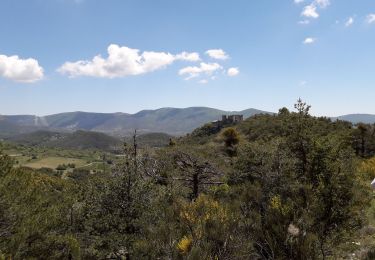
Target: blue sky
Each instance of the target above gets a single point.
(230, 55)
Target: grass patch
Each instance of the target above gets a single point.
(53, 162)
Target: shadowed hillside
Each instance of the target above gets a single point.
(86, 140)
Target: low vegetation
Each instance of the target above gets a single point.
(283, 186)
(55, 162)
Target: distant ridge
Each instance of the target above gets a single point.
(173, 121)
(358, 118)
(86, 140)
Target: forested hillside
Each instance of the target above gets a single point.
(173, 121)
(76, 140)
(283, 186)
(82, 140)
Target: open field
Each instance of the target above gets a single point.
(43, 157)
(53, 162)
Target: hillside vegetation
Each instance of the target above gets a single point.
(173, 121)
(283, 186)
(84, 140)
(77, 140)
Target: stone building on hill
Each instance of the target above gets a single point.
(231, 119)
(228, 120)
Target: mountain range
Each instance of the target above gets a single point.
(172, 121)
(357, 118)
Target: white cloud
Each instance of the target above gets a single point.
(124, 61)
(309, 40)
(195, 71)
(370, 18)
(218, 54)
(188, 56)
(232, 72)
(349, 22)
(298, 1)
(310, 11)
(20, 70)
(322, 3)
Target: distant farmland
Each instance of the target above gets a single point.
(53, 162)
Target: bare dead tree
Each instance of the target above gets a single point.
(196, 173)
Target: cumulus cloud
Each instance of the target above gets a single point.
(232, 72)
(309, 40)
(202, 69)
(124, 61)
(20, 70)
(349, 22)
(218, 54)
(310, 11)
(188, 56)
(298, 1)
(370, 18)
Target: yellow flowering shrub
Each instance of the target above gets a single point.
(367, 168)
(204, 217)
(277, 204)
(184, 245)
